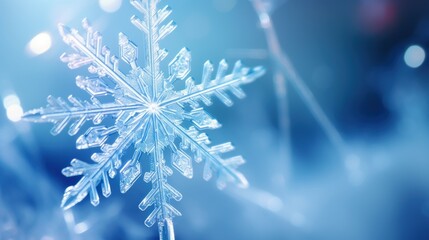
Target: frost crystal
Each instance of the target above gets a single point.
(149, 116)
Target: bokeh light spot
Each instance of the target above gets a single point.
(110, 6)
(14, 111)
(414, 56)
(40, 44)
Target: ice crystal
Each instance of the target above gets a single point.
(150, 116)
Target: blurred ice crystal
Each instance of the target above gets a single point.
(151, 118)
(271, 5)
(27, 198)
(286, 71)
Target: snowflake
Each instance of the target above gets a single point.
(151, 118)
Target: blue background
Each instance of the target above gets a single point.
(349, 53)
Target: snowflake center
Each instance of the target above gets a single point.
(153, 108)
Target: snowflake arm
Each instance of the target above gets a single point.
(106, 164)
(222, 82)
(161, 191)
(62, 113)
(213, 162)
(154, 29)
(90, 51)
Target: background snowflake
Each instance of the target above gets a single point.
(150, 116)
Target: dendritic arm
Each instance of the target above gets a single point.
(221, 83)
(197, 142)
(106, 165)
(90, 51)
(161, 192)
(61, 113)
(155, 31)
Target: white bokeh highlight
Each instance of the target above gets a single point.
(39, 44)
(414, 56)
(12, 104)
(110, 6)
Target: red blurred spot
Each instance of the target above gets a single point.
(377, 16)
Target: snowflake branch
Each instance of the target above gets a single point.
(161, 191)
(61, 113)
(106, 165)
(155, 33)
(108, 64)
(217, 86)
(224, 167)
